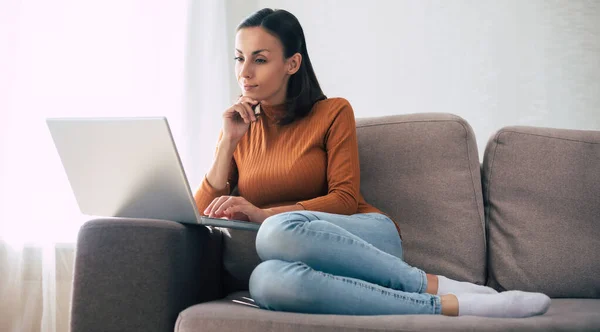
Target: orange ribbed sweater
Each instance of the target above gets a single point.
(312, 162)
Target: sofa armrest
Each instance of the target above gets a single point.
(137, 275)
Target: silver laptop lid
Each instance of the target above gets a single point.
(124, 167)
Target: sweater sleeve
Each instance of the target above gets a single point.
(206, 193)
(343, 168)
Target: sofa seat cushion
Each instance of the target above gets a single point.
(237, 312)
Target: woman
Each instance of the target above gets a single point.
(324, 249)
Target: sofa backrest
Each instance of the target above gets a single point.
(542, 198)
(423, 171)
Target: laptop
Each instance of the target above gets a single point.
(128, 168)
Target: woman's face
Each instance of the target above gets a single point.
(262, 71)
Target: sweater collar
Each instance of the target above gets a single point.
(272, 112)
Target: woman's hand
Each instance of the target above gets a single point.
(237, 119)
(235, 207)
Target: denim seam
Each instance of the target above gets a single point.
(423, 286)
(371, 288)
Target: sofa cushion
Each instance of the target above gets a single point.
(237, 312)
(423, 170)
(542, 194)
(239, 258)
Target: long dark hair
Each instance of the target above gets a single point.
(303, 89)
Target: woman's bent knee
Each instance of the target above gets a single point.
(273, 283)
(271, 237)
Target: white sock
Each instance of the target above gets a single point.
(510, 304)
(449, 286)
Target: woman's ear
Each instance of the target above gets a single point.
(294, 63)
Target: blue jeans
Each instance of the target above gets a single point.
(322, 263)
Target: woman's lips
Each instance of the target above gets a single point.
(249, 87)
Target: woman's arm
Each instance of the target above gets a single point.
(236, 207)
(218, 175)
(221, 177)
(343, 167)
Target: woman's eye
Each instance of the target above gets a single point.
(261, 61)
(238, 59)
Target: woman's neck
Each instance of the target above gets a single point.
(277, 98)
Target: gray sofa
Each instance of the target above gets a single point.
(528, 218)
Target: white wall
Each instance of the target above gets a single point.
(495, 63)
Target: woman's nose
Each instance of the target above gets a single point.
(245, 71)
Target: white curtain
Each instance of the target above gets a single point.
(91, 59)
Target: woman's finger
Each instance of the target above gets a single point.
(249, 111)
(232, 210)
(231, 201)
(246, 99)
(217, 205)
(210, 206)
(239, 109)
(236, 110)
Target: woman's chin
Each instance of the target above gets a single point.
(250, 93)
